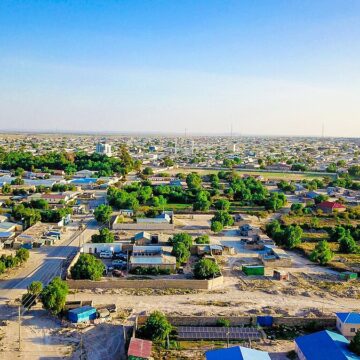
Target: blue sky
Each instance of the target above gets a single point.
(264, 66)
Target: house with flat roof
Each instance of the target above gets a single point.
(324, 345)
(348, 323)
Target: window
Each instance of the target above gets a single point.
(352, 330)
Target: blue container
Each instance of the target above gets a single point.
(265, 321)
(81, 314)
(27, 246)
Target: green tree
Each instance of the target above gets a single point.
(33, 291)
(202, 203)
(156, 327)
(181, 252)
(193, 181)
(203, 239)
(354, 345)
(22, 254)
(2, 267)
(292, 236)
(206, 268)
(103, 213)
(347, 245)
(87, 267)
(148, 171)
(223, 322)
(216, 226)
(6, 189)
(322, 253)
(104, 236)
(54, 295)
(223, 217)
(222, 204)
(182, 238)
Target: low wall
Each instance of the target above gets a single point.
(328, 322)
(142, 226)
(152, 284)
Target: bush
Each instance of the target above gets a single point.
(203, 239)
(104, 236)
(22, 254)
(216, 226)
(157, 327)
(182, 238)
(322, 253)
(150, 271)
(88, 267)
(205, 269)
(355, 343)
(103, 213)
(223, 322)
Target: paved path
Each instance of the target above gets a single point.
(48, 263)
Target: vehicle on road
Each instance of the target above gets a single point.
(106, 254)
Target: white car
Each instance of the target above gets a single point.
(106, 254)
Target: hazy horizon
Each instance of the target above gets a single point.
(267, 68)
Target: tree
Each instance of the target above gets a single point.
(6, 189)
(17, 181)
(182, 238)
(203, 239)
(347, 245)
(2, 267)
(322, 253)
(33, 291)
(222, 204)
(354, 345)
(88, 267)
(148, 171)
(354, 170)
(103, 213)
(205, 269)
(297, 208)
(223, 217)
(104, 236)
(216, 226)
(22, 254)
(193, 181)
(202, 203)
(292, 236)
(156, 327)
(54, 295)
(181, 252)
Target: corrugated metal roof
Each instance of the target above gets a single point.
(349, 318)
(325, 345)
(140, 348)
(237, 353)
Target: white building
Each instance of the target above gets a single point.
(103, 148)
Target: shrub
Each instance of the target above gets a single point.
(157, 327)
(54, 295)
(223, 322)
(205, 269)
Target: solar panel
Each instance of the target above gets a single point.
(218, 333)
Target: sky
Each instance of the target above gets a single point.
(262, 67)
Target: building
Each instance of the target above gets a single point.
(82, 314)
(56, 198)
(323, 345)
(348, 323)
(236, 353)
(153, 257)
(142, 238)
(275, 257)
(329, 207)
(103, 148)
(139, 349)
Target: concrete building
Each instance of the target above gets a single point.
(323, 345)
(348, 323)
(103, 148)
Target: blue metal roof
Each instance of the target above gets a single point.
(83, 309)
(237, 353)
(349, 317)
(325, 345)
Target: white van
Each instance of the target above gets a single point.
(106, 254)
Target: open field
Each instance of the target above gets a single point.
(321, 221)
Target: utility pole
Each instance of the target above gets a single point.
(19, 319)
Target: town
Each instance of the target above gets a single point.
(179, 247)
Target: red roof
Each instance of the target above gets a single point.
(140, 348)
(331, 205)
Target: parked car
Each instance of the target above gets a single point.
(106, 254)
(120, 255)
(118, 273)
